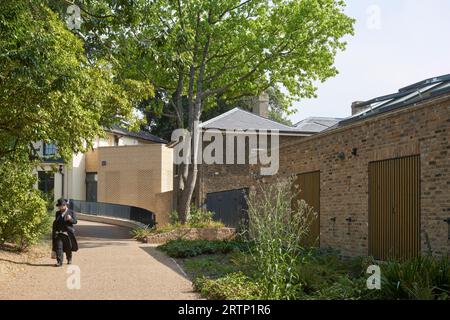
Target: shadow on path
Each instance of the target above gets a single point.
(107, 232)
(29, 263)
(161, 257)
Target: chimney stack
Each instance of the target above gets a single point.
(261, 105)
(356, 108)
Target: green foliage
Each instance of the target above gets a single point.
(192, 248)
(425, 278)
(321, 275)
(246, 47)
(49, 199)
(23, 213)
(196, 52)
(201, 218)
(233, 286)
(211, 266)
(48, 84)
(324, 275)
(277, 228)
(198, 218)
(173, 217)
(141, 233)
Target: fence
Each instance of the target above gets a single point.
(114, 210)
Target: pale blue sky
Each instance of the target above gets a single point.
(410, 42)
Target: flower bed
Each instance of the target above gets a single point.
(187, 233)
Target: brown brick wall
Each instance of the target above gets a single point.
(422, 129)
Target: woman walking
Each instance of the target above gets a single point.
(63, 233)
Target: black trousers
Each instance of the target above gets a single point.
(63, 245)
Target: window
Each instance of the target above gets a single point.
(49, 149)
(46, 182)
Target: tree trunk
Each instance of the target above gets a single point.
(190, 174)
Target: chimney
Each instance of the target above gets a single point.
(356, 108)
(261, 105)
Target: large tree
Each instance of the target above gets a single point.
(197, 51)
(161, 119)
(49, 90)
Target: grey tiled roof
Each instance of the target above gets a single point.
(143, 135)
(240, 119)
(316, 124)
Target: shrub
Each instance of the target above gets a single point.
(211, 266)
(197, 218)
(23, 214)
(201, 218)
(277, 225)
(174, 217)
(233, 286)
(425, 277)
(343, 288)
(140, 233)
(192, 248)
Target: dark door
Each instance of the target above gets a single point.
(308, 188)
(230, 206)
(91, 187)
(394, 208)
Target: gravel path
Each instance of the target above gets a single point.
(112, 266)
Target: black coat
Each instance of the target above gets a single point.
(60, 224)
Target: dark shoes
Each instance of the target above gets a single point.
(59, 263)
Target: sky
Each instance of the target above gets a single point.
(396, 43)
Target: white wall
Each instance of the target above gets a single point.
(76, 177)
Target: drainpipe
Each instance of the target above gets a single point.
(62, 180)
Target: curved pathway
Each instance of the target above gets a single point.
(111, 265)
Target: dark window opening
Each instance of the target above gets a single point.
(116, 141)
(46, 182)
(91, 186)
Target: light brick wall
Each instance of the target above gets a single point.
(92, 163)
(134, 175)
(421, 129)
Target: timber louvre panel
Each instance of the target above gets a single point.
(394, 208)
(309, 190)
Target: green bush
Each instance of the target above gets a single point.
(233, 286)
(192, 248)
(23, 214)
(199, 218)
(141, 232)
(424, 278)
(173, 217)
(211, 266)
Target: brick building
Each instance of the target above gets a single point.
(123, 167)
(381, 177)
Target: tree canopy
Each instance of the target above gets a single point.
(195, 52)
(49, 90)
